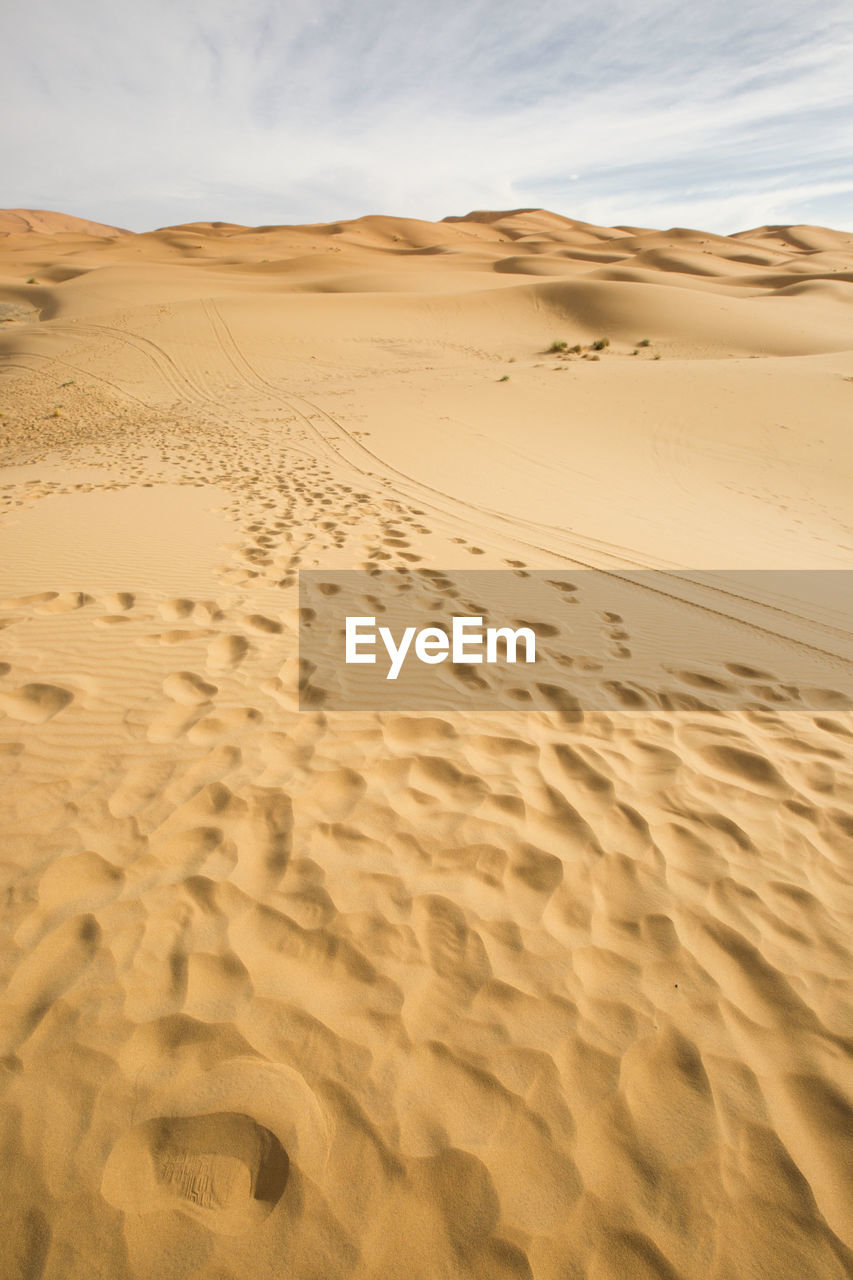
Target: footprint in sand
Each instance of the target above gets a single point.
(45, 974)
(176, 609)
(188, 689)
(118, 602)
(625, 695)
(68, 602)
(748, 673)
(260, 625)
(141, 783)
(226, 652)
(224, 1170)
(35, 703)
(179, 635)
(701, 680)
(28, 602)
(212, 729)
(190, 851)
(332, 794)
(206, 611)
(206, 772)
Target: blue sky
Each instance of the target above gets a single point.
(649, 114)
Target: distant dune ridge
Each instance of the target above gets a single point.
(560, 994)
(45, 222)
(573, 271)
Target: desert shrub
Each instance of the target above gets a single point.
(600, 344)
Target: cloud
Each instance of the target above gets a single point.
(733, 115)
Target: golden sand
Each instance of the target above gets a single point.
(322, 995)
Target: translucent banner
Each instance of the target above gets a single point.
(569, 641)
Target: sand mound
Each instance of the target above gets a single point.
(47, 223)
(808, 239)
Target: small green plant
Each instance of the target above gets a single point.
(600, 344)
(635, 352)
(657, 356)
(70, 383)
(505, 378)
(32, 280)
(595, 357)
(576, 349)
(557, 347)
(644, 342)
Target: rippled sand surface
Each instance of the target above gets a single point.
(324, 994)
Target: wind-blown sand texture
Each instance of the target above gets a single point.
(323, 994)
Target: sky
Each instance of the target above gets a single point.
(722, 117)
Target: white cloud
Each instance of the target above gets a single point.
(311, 111)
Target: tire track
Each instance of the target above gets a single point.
(169, 370)
(75, 368)
(427, 495)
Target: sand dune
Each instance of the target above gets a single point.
(44, 222)
(561, 993)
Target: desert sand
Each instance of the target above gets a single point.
(316, 994)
